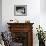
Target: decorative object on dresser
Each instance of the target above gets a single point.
(13, 21)
(22, 33)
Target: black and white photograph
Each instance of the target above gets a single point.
(20, 10)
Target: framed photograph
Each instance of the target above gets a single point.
(20, 10)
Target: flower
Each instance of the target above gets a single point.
(40, 33)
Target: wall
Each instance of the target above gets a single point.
(0, 15)
(34, 14)
(33, 10)
(43, 14)
(43, 6)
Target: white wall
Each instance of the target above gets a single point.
(43, 14)
(33, 14)
(43, 6)
(0, 15)
(33, 10)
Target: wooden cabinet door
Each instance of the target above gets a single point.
(22, 33)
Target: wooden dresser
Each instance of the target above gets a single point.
(22, 33)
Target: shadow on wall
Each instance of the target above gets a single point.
(43, 6)
(0, 15)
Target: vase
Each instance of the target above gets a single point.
(41, 43)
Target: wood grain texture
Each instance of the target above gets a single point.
(23, 27)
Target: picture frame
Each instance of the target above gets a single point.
(20, 10)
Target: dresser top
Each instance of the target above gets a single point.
(19, 23)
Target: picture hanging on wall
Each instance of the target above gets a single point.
(20, 10)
